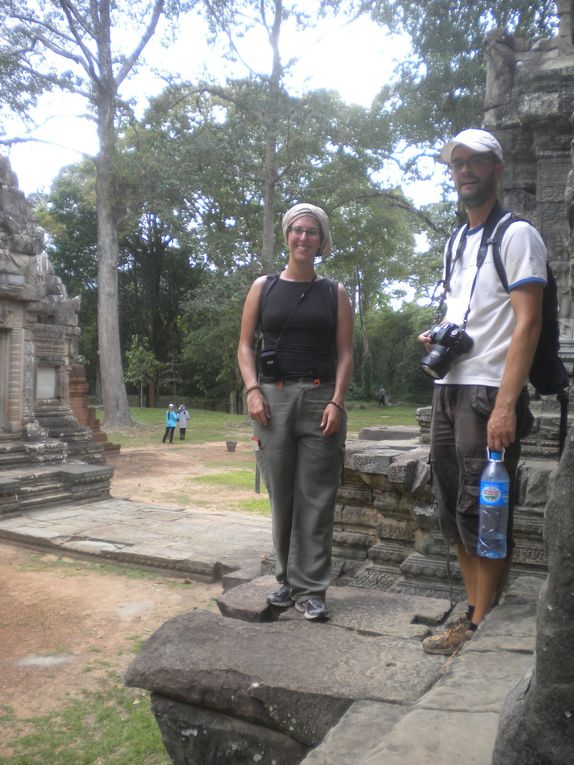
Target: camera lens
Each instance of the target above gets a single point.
(437, 361)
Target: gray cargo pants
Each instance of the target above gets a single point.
(302, 470)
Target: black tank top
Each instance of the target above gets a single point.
(308, 346)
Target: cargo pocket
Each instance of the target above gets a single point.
(468, 498)
(483, 400)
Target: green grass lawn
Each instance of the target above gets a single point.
(114, 726)
(220, 426)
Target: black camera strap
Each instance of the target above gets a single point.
(490, 225)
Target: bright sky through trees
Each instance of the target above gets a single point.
(356, 60)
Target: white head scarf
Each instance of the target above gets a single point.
(304, 208)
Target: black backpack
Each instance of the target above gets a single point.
(548, 374)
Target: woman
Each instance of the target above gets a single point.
(296, 404)
(183, 418)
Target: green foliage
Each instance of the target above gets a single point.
(68, 215)
(142, 367)
(396, 351)
(210, 326)
(191, 178)
(440, 87)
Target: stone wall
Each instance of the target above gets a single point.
(528, 105)
(386, 530)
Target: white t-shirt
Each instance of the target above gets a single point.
(491, 319)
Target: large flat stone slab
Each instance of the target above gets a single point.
(368, 612)
(186, 541)
(361, 728)
(434, 737)
(273, 674)
(247, 601)
(477, 681)
(377, 612)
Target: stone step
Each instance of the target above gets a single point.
(40, 487)
(9, 460)
(43, 500)
(6, 436)
(11, 445)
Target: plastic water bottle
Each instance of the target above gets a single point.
(494, 486)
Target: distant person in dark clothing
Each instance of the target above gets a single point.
(382, 396)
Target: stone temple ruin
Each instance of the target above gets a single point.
(386, 535)
(46, 457)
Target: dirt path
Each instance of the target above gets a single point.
(65, 624)
(165, 474)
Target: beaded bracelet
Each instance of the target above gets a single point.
(255, 386)
(339, 406)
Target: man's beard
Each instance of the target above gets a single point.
(480, 193)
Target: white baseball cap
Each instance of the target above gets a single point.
(477, 140)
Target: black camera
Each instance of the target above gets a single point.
(269, 363)
(449, 340)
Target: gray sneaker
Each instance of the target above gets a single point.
(314, 609)
(281, 597)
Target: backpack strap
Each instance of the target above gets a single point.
(490, 225)
(496, 240)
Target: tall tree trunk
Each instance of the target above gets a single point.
(114, 396)
(366, 366)
(269, 182)
(271, 119)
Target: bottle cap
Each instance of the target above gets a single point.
(496, 456)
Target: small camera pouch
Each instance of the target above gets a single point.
(269, 363)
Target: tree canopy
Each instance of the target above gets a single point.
(439, 88)
(182, 208)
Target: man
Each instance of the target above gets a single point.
(482, 400)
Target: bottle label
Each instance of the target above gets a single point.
(494, 493)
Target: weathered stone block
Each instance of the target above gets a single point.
(386, 501)
(377, 460)
(393, 529)
(194, 736)
(356, 493)
(425, 516)
(534, 482)
(248, 601)
(537, 720)
(362, 540)
(268, 675)
(356, 515)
